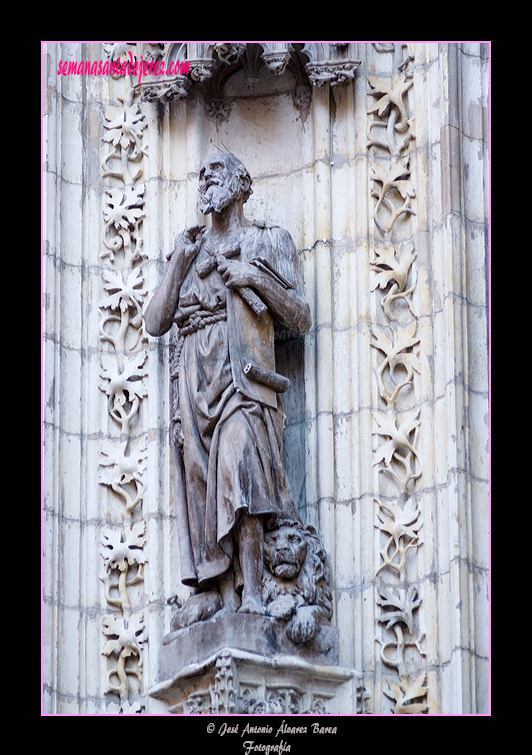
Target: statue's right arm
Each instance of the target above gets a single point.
(159, 314)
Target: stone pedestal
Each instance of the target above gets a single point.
(241, 663)
(254, 634)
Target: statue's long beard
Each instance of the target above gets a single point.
(215, 199)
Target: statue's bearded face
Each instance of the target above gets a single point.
(285, 551)
(219, 184)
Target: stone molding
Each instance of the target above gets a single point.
(233, 681)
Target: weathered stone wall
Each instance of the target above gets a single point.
(388, 207)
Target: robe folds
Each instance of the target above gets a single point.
(231, 458)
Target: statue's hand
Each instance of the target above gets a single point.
(188, 243)
(191, 234)
(192, 241)
(237, 274)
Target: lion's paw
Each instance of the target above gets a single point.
(303, 626)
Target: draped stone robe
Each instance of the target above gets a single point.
(232, 425)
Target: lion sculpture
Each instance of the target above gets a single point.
(296, 581)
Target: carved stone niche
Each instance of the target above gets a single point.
(244, 663)
(211, 65)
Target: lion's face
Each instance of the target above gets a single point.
(285, 551)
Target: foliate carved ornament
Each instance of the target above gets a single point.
(125, 639)
(402, 526)
(123, 369)
(289, 699)
(398, 353)
(393, 275)
(229, 52)
(397, 457)
(392, 185)
(276, 56)
(329, 63)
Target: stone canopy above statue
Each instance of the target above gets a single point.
(211, 65)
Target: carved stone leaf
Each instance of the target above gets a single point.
(386, 263)
(125, 125)
(119, 468)
(403, 607)
(390, 96)
(123, 639)
(399, 522)
(402, 526)
(379, 174)
(398, 435)
(397, 355)
(405, 337)
(394, 178)
(405, 188)
(380, 88)
(124, 548)
(123, 208)
(124, 294)
(382, 342)
(129, 380)
(407, 691)
(390, 269)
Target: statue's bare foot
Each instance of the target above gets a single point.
(252, 605)
(197, 608)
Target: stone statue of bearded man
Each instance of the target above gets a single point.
(225, 287)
